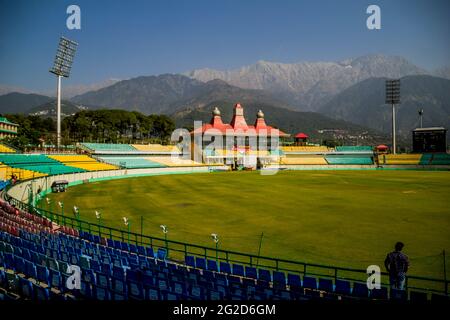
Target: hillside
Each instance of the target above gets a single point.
(150, 94)
(363, 104)
(49, 109)
(16, 102)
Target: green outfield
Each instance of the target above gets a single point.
(342, 218)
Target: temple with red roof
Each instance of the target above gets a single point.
(238, 132)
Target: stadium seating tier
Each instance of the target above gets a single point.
(83, 162)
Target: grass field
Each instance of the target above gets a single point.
(343, 218)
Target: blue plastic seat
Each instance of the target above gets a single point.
(117, 245)
(41, 293)
(110, 242)
(124, 246)
(279, 278)
(360, 290)
(162, 284)
(264, 274)
(212, 265)
(102, 280)
(161, 254)
(294, 281)
(86, 290)
(141, 250)
(135, 290)
(133, 275)
(96, 266)
(250, 272)
(309, 282)
(238, 270)
(200, 263)
(326, 285)
(196, 292)
(56, 280)
(152, 294)
(43, 274)
(118, 273)
(190, 261)
(178, 288)
(118, 286)
(149, 252)
(100, 293)
(26, 288)
(30, 269)
(133, 248)
(225, 267)
(343, 287)
(379, 294)
(89, 276)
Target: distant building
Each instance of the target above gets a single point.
(7, 128)
(240, 134)
(429, 140)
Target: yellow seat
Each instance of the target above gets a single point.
(175, 162)
(400, 159)
(306, 160)
(6, 149)
(6, 172)
(155, 148)
(83, 162)
(305, 149)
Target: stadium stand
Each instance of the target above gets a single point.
(6, 172)
(349, 159)
(83, 162)
(303, 160)
(399, 159)
(96, 147)
(354, 148)
(37, 163)
(6, 149)
(176, 162)
(35, 254)
(435, 159)
(132, 162)
(156, 148)
(305, 149)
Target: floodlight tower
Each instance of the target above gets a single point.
(61, 68)
(393, 98)
(421, 116)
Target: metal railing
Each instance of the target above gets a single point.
(177, 250)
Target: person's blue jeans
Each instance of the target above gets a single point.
(398, 281)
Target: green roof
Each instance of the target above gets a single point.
(4, 120)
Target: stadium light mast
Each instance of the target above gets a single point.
(393, 98)
(76, 213)
(61, 205)
(165, 230)
(49, 208)
(98, 215)
(215, 238)
(421, 116)
(61, 68)
(126, 222)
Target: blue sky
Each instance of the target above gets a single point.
(122, 39)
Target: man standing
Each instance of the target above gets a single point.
(397, 264)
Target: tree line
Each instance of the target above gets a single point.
(105, 126)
